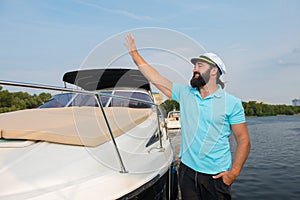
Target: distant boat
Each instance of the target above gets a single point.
(102, 142)
(173, 120)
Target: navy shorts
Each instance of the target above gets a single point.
(196, 185)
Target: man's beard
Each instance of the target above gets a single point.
(201, 80)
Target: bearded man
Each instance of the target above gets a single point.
(209, 115)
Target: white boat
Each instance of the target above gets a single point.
(100, 142)
(173, 120)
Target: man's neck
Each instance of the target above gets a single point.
(208, 89)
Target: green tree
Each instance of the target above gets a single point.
(253, 108)
(20, 100)
(168, 106)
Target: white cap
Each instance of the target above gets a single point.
(211, 58)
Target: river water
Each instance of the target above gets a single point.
(272, 170)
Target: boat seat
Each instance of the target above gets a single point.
(84, 126)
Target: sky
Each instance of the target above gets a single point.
(259, 41)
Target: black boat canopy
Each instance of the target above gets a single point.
(96, 79)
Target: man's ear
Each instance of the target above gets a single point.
(214, 71)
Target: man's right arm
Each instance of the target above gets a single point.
(152, 75)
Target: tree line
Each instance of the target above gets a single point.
(252, 108)
(12, 101)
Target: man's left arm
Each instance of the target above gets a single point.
(242, 138)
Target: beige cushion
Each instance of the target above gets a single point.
(74, 125)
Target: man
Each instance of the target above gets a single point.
(208, 117)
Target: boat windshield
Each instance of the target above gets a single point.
(174, 114)
(70, 99)
(117, 102)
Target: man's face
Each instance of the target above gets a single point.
(201, 74)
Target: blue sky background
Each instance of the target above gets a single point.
(259, 41)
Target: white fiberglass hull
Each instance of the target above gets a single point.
(44, 171)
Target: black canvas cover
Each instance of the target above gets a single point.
(97, 79)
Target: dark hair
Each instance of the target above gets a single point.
(219, 81)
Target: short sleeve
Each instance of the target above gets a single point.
(237, 115)
(176, 91)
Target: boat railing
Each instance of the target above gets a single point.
(98, 96)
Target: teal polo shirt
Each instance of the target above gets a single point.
(205, 127)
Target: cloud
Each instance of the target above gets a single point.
(118, 12)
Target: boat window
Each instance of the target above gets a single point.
(70, 99)
(105, 100)
(84, 100)
(153, 139)
(58, 100)
(174, 115)
(117, 102)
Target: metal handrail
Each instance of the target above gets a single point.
(142, 101)
(123, 169)
(98, 95)
(46, 87)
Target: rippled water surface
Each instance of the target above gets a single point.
(272, 170)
